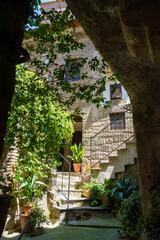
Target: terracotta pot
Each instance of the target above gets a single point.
(87, 192)
(86, 178)
(106, 201)
(4, 207)
(77, 167)
(24, 219)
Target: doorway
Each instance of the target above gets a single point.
(77, 138)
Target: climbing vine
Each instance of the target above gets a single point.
(37, 126)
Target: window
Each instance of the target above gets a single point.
(115, 91)
(73, 71)
(117, 121)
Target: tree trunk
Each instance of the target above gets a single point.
(128, 34)
(147, 128)
(13, 16)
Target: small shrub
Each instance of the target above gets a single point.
(131, 216)
(108, 187)
(38, 217)
(123, 189)
(96, 191)
(152, 226)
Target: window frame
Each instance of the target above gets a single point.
(118, 86)
(117, 117)
(68, 68)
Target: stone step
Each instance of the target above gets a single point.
(85, 212)
(73, 199)
(97, 222)
(73, 185)
(66, 176)
(73, 192)
(71, 173)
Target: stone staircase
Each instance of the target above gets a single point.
(120, 162)
(79, 207)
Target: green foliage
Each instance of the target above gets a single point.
(77, 153)
(38, 127)
(38, 217)
(131, 216)
(29, 190)
(53, 39)
(152, 225)
(123, 189)
(108, 187)
(96, 191)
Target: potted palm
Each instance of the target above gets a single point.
(77, 156)
(29, 190)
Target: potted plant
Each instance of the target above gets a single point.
(29, 190)
(93, 191)
(87, 190)
(77, 156)
(123, 188)
(106, 196)
(37, 218)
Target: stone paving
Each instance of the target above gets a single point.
(93, 229)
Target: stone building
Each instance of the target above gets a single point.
(98, 146)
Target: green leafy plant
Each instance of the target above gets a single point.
(53, 39)
(108, 187)
(30, 189)
(38, 217)
(77, 153)
(131, 216)
(38, 127)
(123, 189)
(96, 191)
(152, 225)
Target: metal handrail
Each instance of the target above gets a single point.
(103, 149)
(23, 230)
(154, 186)
(67, 197)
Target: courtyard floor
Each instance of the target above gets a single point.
(79, 230)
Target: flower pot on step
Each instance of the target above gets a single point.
(87, 192)
(86, 178)
(77, 167)
(106, 201)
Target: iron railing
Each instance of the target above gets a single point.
(65, 164)
(111, 138)
(59, 188)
